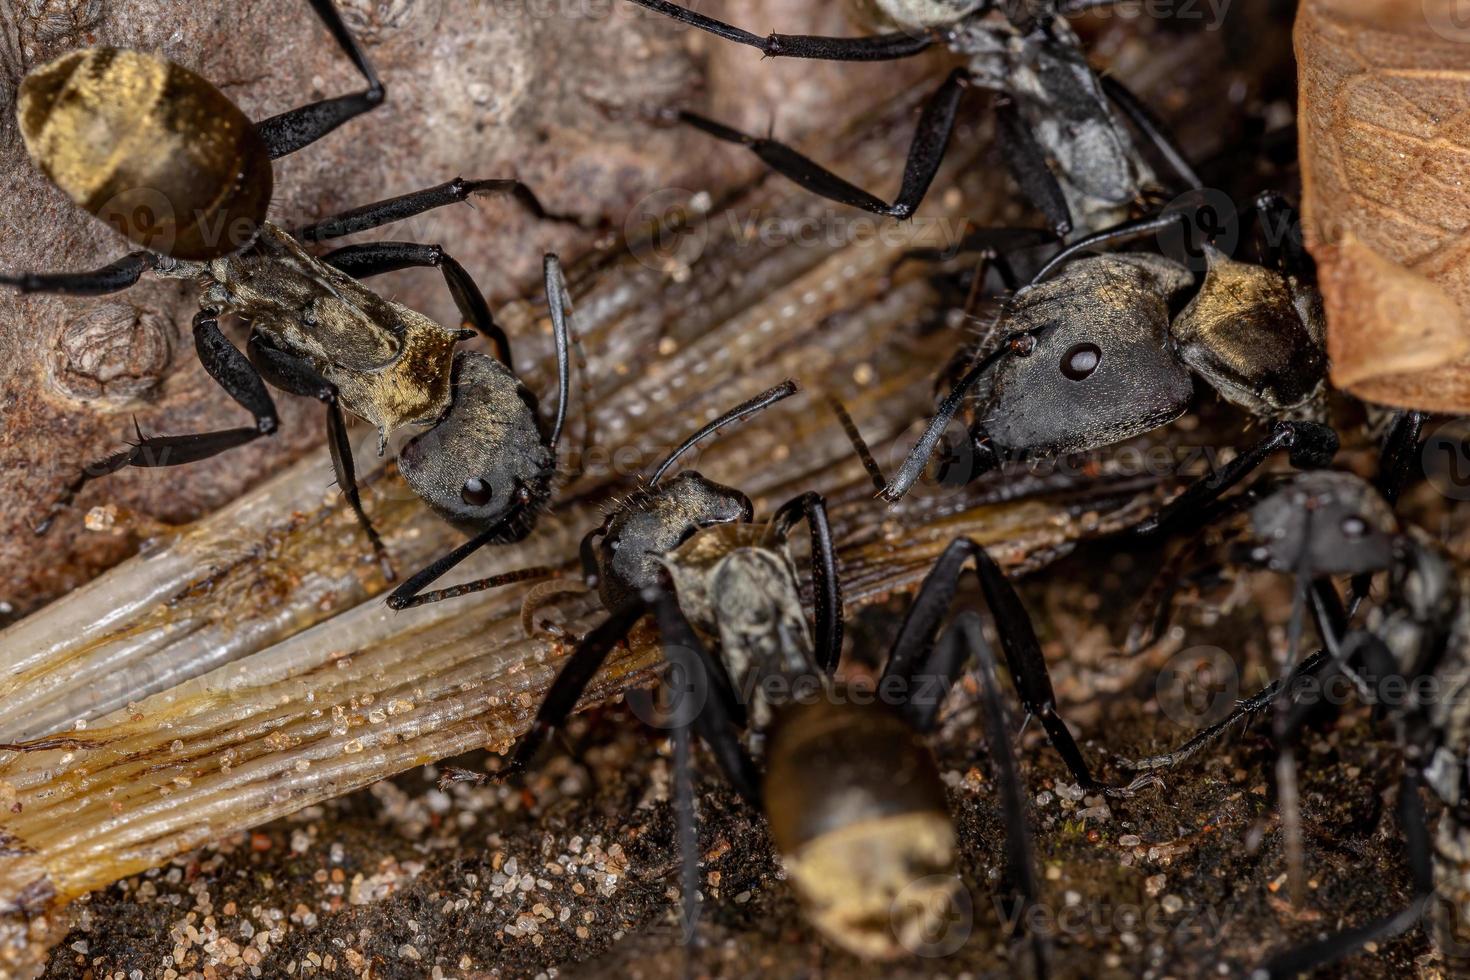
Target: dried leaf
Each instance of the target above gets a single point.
(1385, 155)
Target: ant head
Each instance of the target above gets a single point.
(654, 522)
(1097, 367)
(1325, 522)
(485, 462)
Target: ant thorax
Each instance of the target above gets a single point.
(734, 586)
(391, 365)
(1061, 101)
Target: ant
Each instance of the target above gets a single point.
(1060, 139)
(1407, 657)
(485, 462)
(849, 788)
(1100, 349)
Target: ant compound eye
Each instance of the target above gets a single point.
(1354, 526)
(476, 492)
(1081, 360)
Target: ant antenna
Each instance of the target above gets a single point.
(859, 445)
(765, 399)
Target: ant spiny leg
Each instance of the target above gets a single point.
(341, 450)
(570, 683)
(296, 128)
(687, 832)
(559, 300)
(240, 380)
(1118, 234)
(1152, 128)
(1026, 161)
(915, 642)
(296, 376)
(926, 153)
(859, 445)
(1026, 663)
(111, 278)
(965, 641)
(404, 206)
(1310, 445)
(826, 585)
(716, 711)
(375, 258)
(883, 47)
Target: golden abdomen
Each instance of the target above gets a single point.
(859, 815)
(149, 147)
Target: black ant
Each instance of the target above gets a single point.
(849, 788)
(1060, 138)
(485, 462)
(1100, 349)
(1408, 657)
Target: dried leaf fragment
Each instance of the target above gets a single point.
(1385, 151)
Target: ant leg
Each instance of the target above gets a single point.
(1152, 128)
(295, 376)
(826, 586)
(926, 152)
(570, 683)
(1124, 232)
(716, 709)
(859, 445)
(111, 278)
(235, 374)
(559, 299)
(1310, 445)
(291, 130)
(1307, 959)
(1398, 460)
(994, 246)
(687, 833)
(407, 205)
(1321, 664)
(1018, 641)
(375, 258)
(963, 642)
(882, 47)
(1026, 161)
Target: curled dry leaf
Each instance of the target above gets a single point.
(1385, 156)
